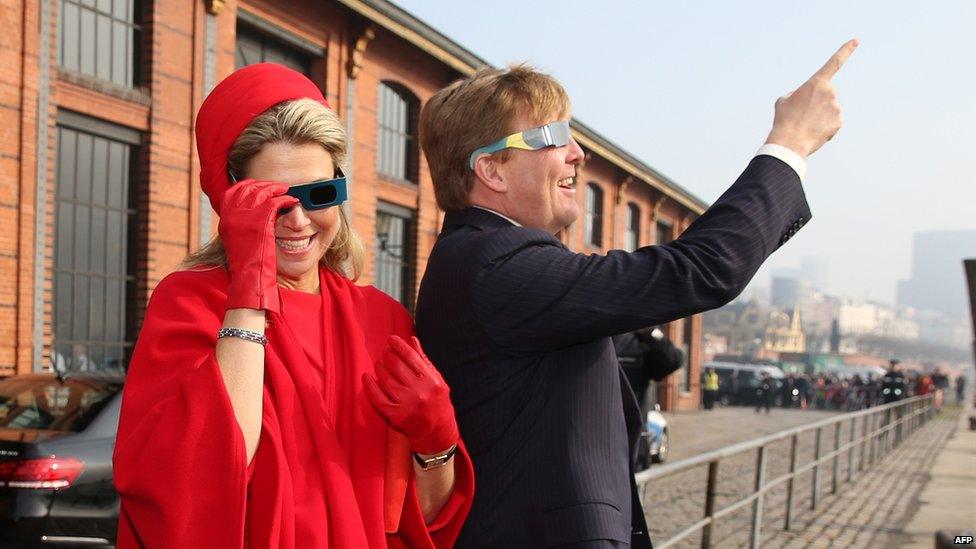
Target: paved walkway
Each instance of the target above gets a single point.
(948, 501)
(694, 433)
(874, 510)
(926, 484)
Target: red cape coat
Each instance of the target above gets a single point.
(180, 462)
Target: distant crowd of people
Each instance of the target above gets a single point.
(831, 391)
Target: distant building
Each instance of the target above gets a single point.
(784, 333)
(819, 314)
(937, 281)
(857, 318)
(790, 292)
(814, 270)
(948, 330)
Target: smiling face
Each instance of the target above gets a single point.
(541, 185)
(301, 237)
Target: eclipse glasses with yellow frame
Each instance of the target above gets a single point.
(553, 134)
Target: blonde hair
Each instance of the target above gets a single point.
(475, 111)
(299, 122)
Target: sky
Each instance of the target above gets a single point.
(689, 88)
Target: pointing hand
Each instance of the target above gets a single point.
(810, 115)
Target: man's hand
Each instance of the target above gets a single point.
(809, 116)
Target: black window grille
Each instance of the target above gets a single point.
(101, 39)
(93, 260)
(394, 258)
(396, 148)
(254, 46)
(632, 236)
(593, 222)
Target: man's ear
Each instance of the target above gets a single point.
(487, 172)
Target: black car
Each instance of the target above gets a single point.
(737, 383)
(56, 442)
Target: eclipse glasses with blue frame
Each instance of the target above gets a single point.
(317, 195)
(321, 194)
(553, 134)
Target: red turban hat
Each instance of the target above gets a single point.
(231, 106)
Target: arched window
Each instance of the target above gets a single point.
(593, 222)
(632, 235)
(396, 145)
(254, 46)
(664, 232)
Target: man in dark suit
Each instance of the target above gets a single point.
(520, 326)
(645, 356)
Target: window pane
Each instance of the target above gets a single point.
(103, 53)
(67, 147)
(113, 252)
(593, 206)
(632, 241)
(98, 228)
(82, 227)
(87, 52)
(121, 9)
(663, 232)
(84, 167)
(65, 229)
(130, 59)
(393, 257)
(70, 40)
(116, 173)
(99, 170)
(395, 150)
(96, 309)
(598, 216)
(119, 50)
(79, 317)
(62, 306)
(114, 296)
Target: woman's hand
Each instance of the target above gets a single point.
(413, 397)
(246, 228)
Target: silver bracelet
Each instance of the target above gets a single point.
(241, 333)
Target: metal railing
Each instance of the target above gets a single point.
(882, 429)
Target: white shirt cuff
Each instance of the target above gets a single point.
(791, 157)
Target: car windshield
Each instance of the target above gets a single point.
(32, 402)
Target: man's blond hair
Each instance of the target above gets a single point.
(476, 111)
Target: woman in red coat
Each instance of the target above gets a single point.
(270, 402)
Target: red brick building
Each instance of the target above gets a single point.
(99, 197)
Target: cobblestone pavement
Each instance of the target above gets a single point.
(694, 433)
(860, 514)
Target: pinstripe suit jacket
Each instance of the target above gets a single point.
(519, 326)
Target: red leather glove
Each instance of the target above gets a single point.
(413, 397)
(246, 228)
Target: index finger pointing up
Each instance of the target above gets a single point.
(837, 60)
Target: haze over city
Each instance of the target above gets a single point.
(689, 89)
